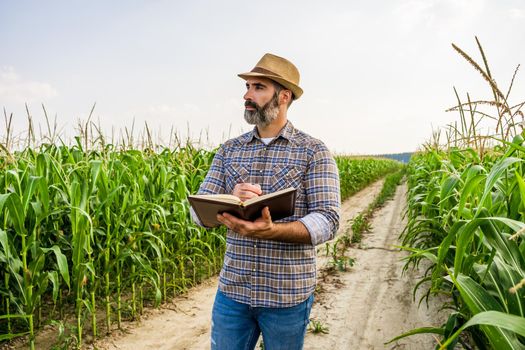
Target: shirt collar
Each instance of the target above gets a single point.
(287, 133)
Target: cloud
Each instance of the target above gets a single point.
(16, 90)
(434, 14)
(516, 13)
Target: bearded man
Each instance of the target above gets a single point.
(268, 277)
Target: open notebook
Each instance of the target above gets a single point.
(207, 206)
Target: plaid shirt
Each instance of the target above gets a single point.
(265, 273)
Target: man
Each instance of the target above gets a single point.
(268, 277)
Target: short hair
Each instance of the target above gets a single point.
(279, 87)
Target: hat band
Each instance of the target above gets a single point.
(265, 71)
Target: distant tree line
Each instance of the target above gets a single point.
(401, 157)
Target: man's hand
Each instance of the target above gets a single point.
(245, 191)
(260, 228)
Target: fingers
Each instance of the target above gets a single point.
(244, 195)
(260, 228)
(255, 188)
(232, 222)
(266, 214)
(223, 220)
(246, 191)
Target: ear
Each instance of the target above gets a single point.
(285, 96)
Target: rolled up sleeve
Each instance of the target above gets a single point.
(323, 197)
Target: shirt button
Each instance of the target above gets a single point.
(261, 171)
(255, 245)
(253, 269)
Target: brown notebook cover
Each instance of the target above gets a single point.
(280, 203)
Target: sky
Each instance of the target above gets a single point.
(377, 75)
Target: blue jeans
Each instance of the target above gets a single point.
(237, 326)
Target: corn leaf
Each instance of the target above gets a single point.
(498, 319)
(479, 300)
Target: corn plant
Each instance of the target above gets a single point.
(96, 226)
(77, 225)
(356, 173)
(466, 214)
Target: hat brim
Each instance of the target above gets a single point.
(295, 89)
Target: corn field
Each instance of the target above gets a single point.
(89, 238)
(357, 173)
(466, 218)
(88, 231)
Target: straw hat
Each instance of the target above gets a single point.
(278, 69)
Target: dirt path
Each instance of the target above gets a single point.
(362, 308)
(372, 303)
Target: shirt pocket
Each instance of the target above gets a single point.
(234, 175)
(285, 176)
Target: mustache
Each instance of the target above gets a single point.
(251, 104)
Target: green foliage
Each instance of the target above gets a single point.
(466, 215)
(462, 212)
(108, 230)
(360, 224)
(317, 327)
(357, 173)
(337, 251)
(113, 226)
(389, 188)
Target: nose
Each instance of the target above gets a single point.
(248, 95)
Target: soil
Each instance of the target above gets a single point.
(373, 302)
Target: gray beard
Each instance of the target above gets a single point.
(265, 115)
